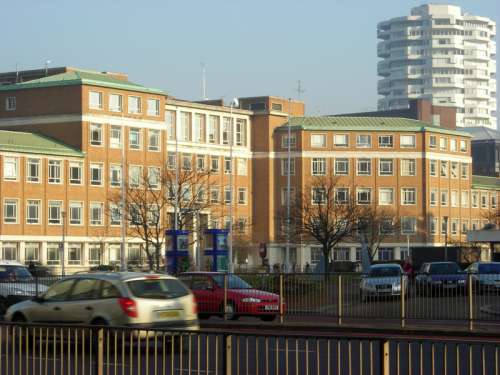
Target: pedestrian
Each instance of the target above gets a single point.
(408, 268)
(307, 268)
(32, 268)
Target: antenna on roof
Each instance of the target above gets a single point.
(17, 72)
(300, 90)
(47, 62)
(203, 82)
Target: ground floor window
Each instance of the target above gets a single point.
(404, 253)
(53, 253)
(114, 253)
(31, 252)
(316, 255)
(134, 254)
(95, 253)
(75, 253)
(385, 253)
(9, 251)
(341, 253)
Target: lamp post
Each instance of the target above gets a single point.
(123, 259)
(63, 260)
(234, 103)
(445, 218)
(288, 181)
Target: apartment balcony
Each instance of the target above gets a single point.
(453, 63)
(383, 87)
(477, 94)
(478, 55)
(383, 34)
(383, 68)
(477, 112)
(452, 83)
(477, 37)
(477, 75)
(383, 49)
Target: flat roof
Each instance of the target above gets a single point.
(31, 143)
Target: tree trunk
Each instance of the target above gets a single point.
(326, 260)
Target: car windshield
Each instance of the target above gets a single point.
(157, 288)
(233, 282)
(444, 268)
(489, 268)
(14, 273)
(384, 271)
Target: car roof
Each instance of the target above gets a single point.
(10, 263)
(120, 276)
(380, 265)
(202, 273)
(431, 263)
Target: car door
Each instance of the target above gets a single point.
(52, 307)
(82, 300)
(206, 298)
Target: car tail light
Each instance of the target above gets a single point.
(128, 306)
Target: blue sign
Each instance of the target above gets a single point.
(218, 251)
(179, 248)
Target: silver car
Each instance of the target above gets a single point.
(114, 299)
(485, 276)
(383, 280)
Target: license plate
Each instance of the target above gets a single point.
(169, 314)
(270, 307)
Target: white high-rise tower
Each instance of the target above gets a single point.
(441, 54)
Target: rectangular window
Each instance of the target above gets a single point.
(284, 141)
(242, 167)
(432, 141)
(385, 254)
(454, 198)
(154, 140)
(454, 169)
(463, 145)
(284, 195)
(444, 198)
(75, 213)
(433, 168)
(464, 199)
(214, 163)
(96, 134)
(318, 166)
(341, 140)
(75, 173)
(154, 177)
(444, 168)
(434, 222)
(408, 196)
(385, 167)
(134, 138)
(153, 107)
(364, 195)
(227, 194)
(465, 226)
(241, 132)
(408, 167)
(10, 103)
(213, 129)
(385, 141)
(9, 251)
(444, 225)
(318, 195)
(31, 252)
(33, 211)
(187, 162)
(53, 253)
(171, 160)
(200, 163)
(55, 172)
(185, 130)
(95, 100)
(10, 211)
(341, 167)
(135, 176)
(408, 225)
(484, 200)
(318, 140)
(95, 174)
(464, 171)
(10, 168)
(115, 137)
(443, 144)
(170, 124)
(74, 253)
(198, 132)
(407, 141)
(277, 107)
(54, 212)
(115, 103)
(96, 210)
(33, 170)
(134, 104)
(453, 144)
(284, 167)
(227, 165)
(385, 196)
(493, 201)
(475, 199)
(214, 194)
(95, 254)
(115, 215)
(433, 197)
(342, 195)
(242, 195)
(226, 130)
(115, 175)
(364, 140)
(364, 167)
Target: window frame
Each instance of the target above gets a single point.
(359, 162)
(363, 145)
(71, 205)
(39, 211)
(28, 164)
(404, 145)
(384, 145)
(13, 202)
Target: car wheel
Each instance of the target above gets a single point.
(268, 318)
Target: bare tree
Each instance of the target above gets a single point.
(493, 216)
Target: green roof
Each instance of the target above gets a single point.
(367, 124)
(485, 182)
(30, 143)
(81, 77)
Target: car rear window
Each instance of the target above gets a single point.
(157, 288)
(14, 273)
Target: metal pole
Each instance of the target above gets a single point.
(446, 238)
(63, 257)
(123, 257)
(230, 250)
(288, 181)
(471, 301)
(176, 190)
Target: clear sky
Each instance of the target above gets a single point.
(258, 47)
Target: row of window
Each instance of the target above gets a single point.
(440, 197)
(96, 174)
(344, 254)
(135, 137)
(454, 226)
(115, 103)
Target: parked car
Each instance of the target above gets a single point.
(114, 299)
(242, 298)
(383, 280)
(485, 276)
(16, 284)
(442, 277)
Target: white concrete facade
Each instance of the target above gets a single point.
(442, 54)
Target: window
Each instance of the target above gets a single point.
(200, 193)
(475, 199)
(464, 200)
(75, 213)
(94, 254)
(170, 124)
(434, 222)
(74, 258)
(444, 198)
(385, 196)
(453, 145)
(475, 224)
(185, 129)
(241, 132)
(153, 215)
(444, 225)
(9, 251)
(493, 201)
(154, 140)
(318, 166)
(364, 140)
(408, 196)
(465, 226)
(443, 144)
(10, 168)
(484, 200)
(227, 165)
(75, 173)
(200, 163)
(341, 254)
(134, 253)
(408, 224)
(433, 168)
(55, 171)
(198, 130)
(115, 103)
(115, 215)
(187, 162)
(134, 104)
(214, 163)
(463, 145)
(454, 198)
(432, 141)
(53, 257)
(385, 141)
(135, 175)
(134, 138)
(407, 141)
(115, 175)
(31, 252)
(242, 167)
(386, 225)
(364, 167)
(385, 253)
(433, 197)
(464, 172)
(341, 140)
(341, 167)
(10, 211)
(284, 167)
(364, 195)
(95, 174)
(171, 160)
(95, 100)
(54, 212)
(10, 103)
(154, 177)
(385, 167)
(444, 168)
(214, 195)
(454, 169)
(408, 167)
(342, 195)
(318, 140)
(242, 195)
(227, 194)
(33, 170)
(213, 129)
(96, 134)
(153, 107)
(318, 195)
(284, 195)
(284, 141)
(96, 210)
(277, 107)
(226, 126)
(33, 211)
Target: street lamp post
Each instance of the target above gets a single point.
(234, 103)
(446, 238)
(123, 259)
(63, 245)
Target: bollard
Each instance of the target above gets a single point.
(281, 298)
(471, 301)
(100, 351)
(403, 296)
(225, 296)
(340, 300)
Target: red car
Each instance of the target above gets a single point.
(242, 298)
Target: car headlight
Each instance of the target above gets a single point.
(396, 287)
(461, 281)
(437, 282)
(251, 300)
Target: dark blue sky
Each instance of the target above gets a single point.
(258, 47)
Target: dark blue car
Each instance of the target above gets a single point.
(444, 278)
